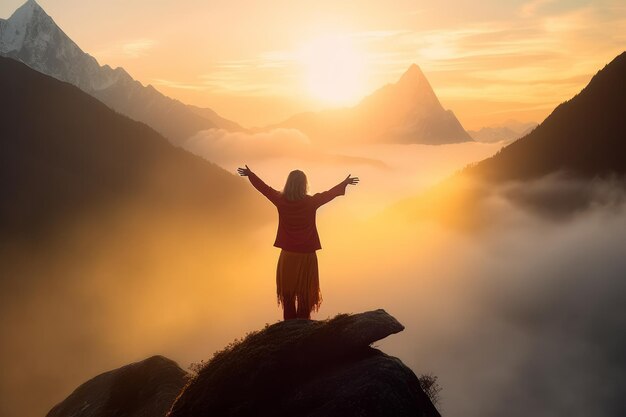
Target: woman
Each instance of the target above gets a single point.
(297, 277)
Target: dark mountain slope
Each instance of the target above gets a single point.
(62, 152)
(102, 219)
(585, 135)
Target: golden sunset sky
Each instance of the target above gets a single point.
(259, 62)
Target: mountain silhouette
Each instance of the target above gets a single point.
(31, 36)
(63, 152)
(506, 132)
(584, 136)
(405, 112)
(79, 181)
(553, 171)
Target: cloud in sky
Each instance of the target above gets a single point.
(138, 47)
(270, 73)
(550, 42)
(225, 148)
(530, 8)
(130, 49)
(178, 85)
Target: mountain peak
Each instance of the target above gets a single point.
(414, 86)
(26, 11)
(414, 69)
(407, 111)
(14, 32)
(30, 35)
(412, 75)
(32, 3)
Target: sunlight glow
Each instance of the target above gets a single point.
(334, 69)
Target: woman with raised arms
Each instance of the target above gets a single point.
(297, 276)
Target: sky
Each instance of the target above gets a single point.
(260, 62)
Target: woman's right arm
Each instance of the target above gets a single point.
(258, 183)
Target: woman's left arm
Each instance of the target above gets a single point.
(339, 189)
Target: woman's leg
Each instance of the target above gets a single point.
(303, 311)
(297, 280)
(289, 307)
(308, 289)
(284, 287)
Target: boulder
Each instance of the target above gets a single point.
(308, 368)
(140, 389)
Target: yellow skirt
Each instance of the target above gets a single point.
(297, 277)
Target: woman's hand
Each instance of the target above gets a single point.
(351, 180)
(244, 172)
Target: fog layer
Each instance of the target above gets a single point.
(519, 314)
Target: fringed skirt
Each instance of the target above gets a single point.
(297, 277)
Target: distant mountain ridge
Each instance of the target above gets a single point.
(407, 111)
(506, 132)
(31, 36)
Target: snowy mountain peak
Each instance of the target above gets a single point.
(32, 4)
(13, 33)
(30, 35)
(30, 26)
(25, 12)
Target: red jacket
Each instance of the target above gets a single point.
(296, 219)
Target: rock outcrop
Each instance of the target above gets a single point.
(141, 389)
(308, 368)
(298, 368)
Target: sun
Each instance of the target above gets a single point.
(333, 69)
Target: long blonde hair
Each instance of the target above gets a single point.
(296, 186)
